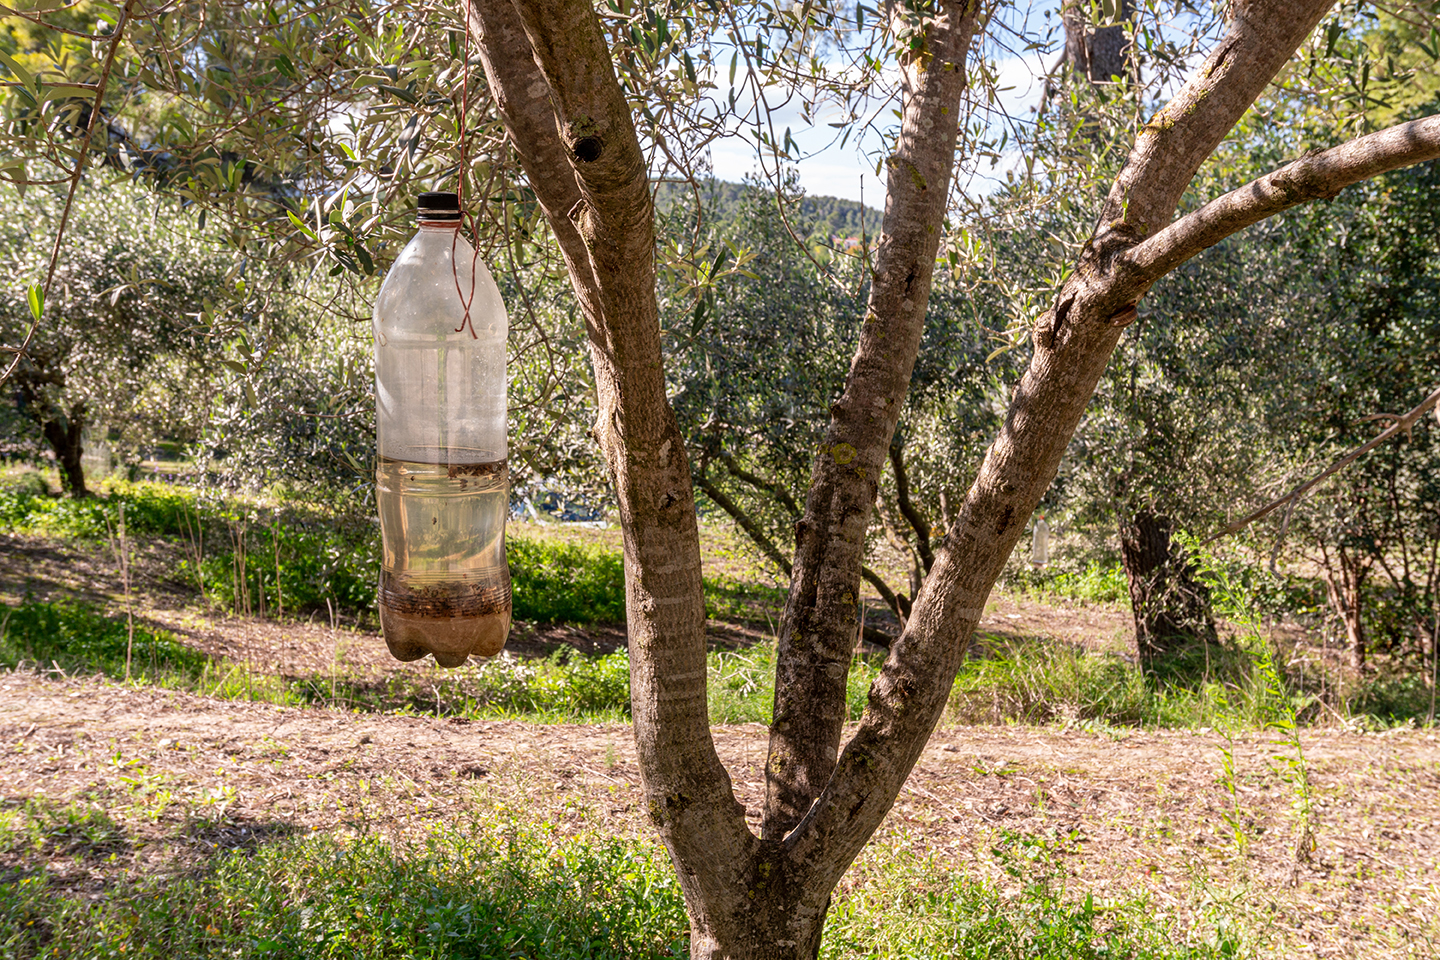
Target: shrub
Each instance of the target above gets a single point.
(557, 582)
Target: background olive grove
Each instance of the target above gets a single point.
(282, 218)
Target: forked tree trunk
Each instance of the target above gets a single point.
(555, 86)
(1172, 609)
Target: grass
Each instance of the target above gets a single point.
(478, 889)
(742, 684)
(500, 885)
(291, 557)
(1035, 681)
(1042, 681)
(77, 639)
(1094, 583)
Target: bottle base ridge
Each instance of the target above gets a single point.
(451, 640)
(451, 621)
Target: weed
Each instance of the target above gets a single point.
(1275, 704)
(905, 905)
(742, 684)
(558, 582)
(1095, 583)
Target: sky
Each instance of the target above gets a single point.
(847, 172)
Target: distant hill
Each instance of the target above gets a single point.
(818, 216)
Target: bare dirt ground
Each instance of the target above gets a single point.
(1116, 816)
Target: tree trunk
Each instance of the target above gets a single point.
(1344, 580)
(555, 86)
(1099, 54)
(1171, 609)
(63, 434)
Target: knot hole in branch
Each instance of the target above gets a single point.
(588, 149)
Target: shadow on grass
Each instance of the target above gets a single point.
(462, 891)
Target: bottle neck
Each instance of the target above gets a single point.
(449, 226)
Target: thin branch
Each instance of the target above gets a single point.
(912, 513)
(95, 109)
(898, 603)
(760, 483)
(1401, 425)
(746, 522)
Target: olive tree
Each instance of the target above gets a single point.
(124, 344)
(552, 74)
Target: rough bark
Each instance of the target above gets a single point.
(1073, 342)
(1171, 609)
(555, 86)
(818, 630)
(750, 897)
(1312, 177)
(1099, 54)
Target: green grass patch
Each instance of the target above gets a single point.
(1222, 685)
(903, 904)
(1094, 583)
(79, 638)
(476, 890)
(151, 509)
(499, 885)
(742, 684)
(558, 582)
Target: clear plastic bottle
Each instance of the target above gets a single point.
(442, 484)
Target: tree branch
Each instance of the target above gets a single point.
(1314, 176)
(912, 513)
(1186, 131)
(817, 633)
(551, 71)
(760, 483)
(1402, 425)
(1073, 343)
(746, 522)
(898, 605)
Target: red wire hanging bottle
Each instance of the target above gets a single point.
(442, 485)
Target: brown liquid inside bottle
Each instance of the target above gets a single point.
(444, 583)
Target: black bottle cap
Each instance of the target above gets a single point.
(438, 205)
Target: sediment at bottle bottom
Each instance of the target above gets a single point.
(452, 641)
(451, 621)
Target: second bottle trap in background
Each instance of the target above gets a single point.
(442, 485)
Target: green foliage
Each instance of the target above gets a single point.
(290, 561)
(471, 890)
(151, 509)
(506, 886)
(1046, 681)
(562, 582)
(24, 481)
(80, 639)
(909, 906)
(821, 219)
(742, 684)
(118, 345)
(1094, 583)
(562, 689)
